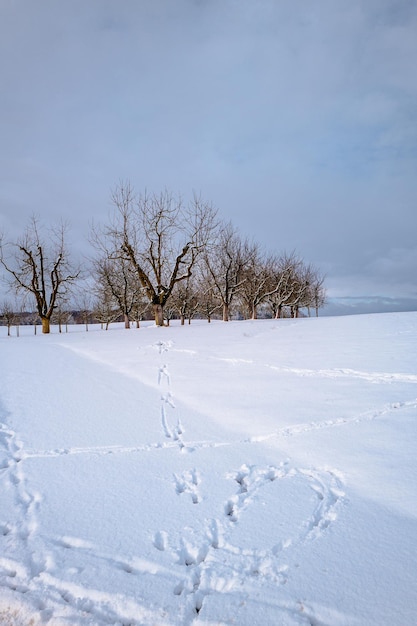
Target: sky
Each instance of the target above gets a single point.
(297, 120)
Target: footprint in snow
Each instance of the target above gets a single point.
(163, 346)
(163, 374)
(188, 482)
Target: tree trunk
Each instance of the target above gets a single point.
(45, 325)
(158, 314)
(225, 313)
(126, 318)
(182, 320)
(254, 312)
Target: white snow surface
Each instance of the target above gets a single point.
(248, 473)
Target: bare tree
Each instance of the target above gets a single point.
(8, 315)
(301, 288)
(104, 310)
(83, 301)
(40, 267)
(310, 291)
(185, 298)
(116, 280)
(141, 309)
(318, 292)
(209, 301)
(170, 312)
(33, 319)
(262, 279)
(116, 286)
(61, 316)
(161, 238)
(283, 275)
(225, 262)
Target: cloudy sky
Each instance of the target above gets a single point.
(296, 119)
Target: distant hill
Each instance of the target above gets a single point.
(368, 304)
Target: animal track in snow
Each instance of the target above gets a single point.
(342, 372)
(188, 483)
(163, 346)
(305, 427)
(210, 559)
(74, 601)
(24, 528)
(167, 401)
(118, 449)
(249, 480)
(97, 607)
(373, 377)
(163, 375)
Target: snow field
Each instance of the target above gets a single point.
(249, 473)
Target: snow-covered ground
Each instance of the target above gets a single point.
(249, 473)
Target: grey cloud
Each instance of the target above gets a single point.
(296, 119)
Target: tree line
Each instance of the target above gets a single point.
(158, 256)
